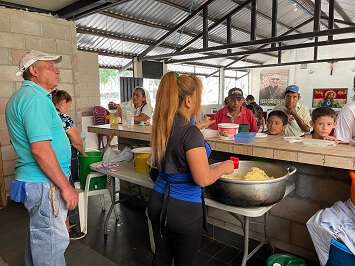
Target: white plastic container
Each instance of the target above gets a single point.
(124, 116)
(209, 133)
(226, 131)
(130, 119)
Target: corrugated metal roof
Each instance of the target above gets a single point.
(161, 15)
(111, 61)
(166, 16)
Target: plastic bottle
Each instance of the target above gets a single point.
(130, 119)
(124, 115)
(83, 137)
(113, 118)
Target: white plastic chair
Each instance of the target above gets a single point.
(84, 198)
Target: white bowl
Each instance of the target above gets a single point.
(142, 150)
(209, 133)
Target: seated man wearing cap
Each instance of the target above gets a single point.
(43, 162)
(298, 114)
(235, 112)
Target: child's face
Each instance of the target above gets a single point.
(323, 125)
(275, 125)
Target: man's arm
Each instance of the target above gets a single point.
(75, 139)
(300, 122)
(47, 161)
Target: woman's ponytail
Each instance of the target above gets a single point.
(167, 104)
(172, 91)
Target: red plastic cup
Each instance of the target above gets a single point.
(235, 161)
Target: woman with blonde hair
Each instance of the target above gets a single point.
(178, 148)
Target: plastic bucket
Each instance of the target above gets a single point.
(84, 169)
(141, 162)
(284, 260)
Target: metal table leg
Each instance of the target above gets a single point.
(113, 202)
(246, 240)
(266, 235)
(245, 226)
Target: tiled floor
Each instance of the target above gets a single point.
(126, 244)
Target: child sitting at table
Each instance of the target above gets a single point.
(323, 122)
(276, 122)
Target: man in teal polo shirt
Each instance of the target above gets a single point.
(43, 151)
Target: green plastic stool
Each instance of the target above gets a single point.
(285, 260)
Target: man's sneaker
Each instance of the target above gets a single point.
(71, 224)
(75, 235)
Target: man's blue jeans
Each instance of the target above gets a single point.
(48, 236)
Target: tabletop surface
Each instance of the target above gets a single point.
(128, 173)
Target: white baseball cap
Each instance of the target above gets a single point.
(33, 56)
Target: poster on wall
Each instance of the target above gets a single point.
(334, 98)
(272, 86)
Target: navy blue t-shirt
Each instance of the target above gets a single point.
(184, 137)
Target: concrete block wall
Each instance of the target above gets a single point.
(316, 188)
(89, 81)
(21, 31)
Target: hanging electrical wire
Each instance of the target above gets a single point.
(298, 6)
(182, 29)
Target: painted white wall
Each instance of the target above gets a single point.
(316, 75)
(91, 138)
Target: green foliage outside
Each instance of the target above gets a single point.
(108, 75)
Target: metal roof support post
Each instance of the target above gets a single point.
(340, 11)
(340, 21)
(253, 23)
(331, 18)
(137, 68)
(219, 21)
(262, 41)
(221, 85)
(262, 46)
(316, 24)
(193, 14)
(274, 21)
(279, 55)
(295, 63)
(165, 68)
(205, 27)
(229, 33)
(280, 48)
(84, 8)
(125, 67)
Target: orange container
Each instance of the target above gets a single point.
(352, 190)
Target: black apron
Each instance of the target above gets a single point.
(163, 219)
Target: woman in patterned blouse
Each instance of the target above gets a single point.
(63, 101)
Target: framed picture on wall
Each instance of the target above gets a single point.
(272, 86)
(334, 98)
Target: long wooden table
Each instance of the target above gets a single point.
(273, 147)
(243, 214)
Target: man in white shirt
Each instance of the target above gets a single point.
(345, 128)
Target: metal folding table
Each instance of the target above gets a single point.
(243, 214)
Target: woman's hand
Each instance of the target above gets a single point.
(118, 110)
(228, 167)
